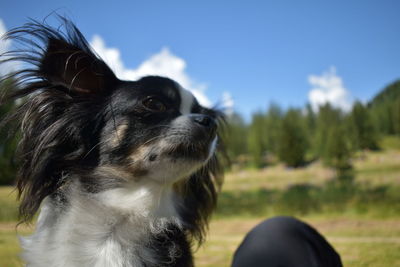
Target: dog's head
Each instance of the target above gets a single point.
(79, 118)
(156, 130)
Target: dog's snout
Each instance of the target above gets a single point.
(204, 120)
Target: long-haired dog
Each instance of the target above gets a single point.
(125, 173)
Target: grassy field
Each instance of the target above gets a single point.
(360, 217)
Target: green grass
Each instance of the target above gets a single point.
(305, 199)
(9, 248)
(360, 217)
(8, 204)
(390, 143)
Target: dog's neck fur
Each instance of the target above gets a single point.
(118, 227)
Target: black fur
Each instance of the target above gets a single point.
(171, 248)
(71, 104)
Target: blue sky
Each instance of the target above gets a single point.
(258, 52)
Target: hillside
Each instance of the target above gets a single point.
(385, 109)
(387, 94)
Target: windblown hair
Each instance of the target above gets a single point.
(66, 100)
(54, 121)
(200, 193)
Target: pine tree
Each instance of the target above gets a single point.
(272, 124)
(256, 139)
(292, 139)
(337, 152)
(327, 118)
(235, 137)
(362, 131)
(311, 120)
(396, 116)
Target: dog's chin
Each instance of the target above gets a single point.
(197, 151)
(193, 152)
(168, 162)
(198, 146)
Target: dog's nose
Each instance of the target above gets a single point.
(204, 120)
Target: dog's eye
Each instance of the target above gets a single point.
(154, 104)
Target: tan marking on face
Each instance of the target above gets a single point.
(139, 153)
(119, 134)
(136, 162)
(115, 171)
(125, 173)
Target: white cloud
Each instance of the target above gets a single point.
(3, 43)
(329, 88)
(5, 67)
(228, 103)
(163, 63)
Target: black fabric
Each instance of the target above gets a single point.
(285, 242)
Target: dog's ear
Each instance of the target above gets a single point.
(59, 68)
(78, 71)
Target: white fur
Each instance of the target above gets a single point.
(112, 228)
(108, 229)
(187, 100)
(213, 147)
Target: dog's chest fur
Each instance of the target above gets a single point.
(83, 232)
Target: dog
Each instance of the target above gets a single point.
(124, 173)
